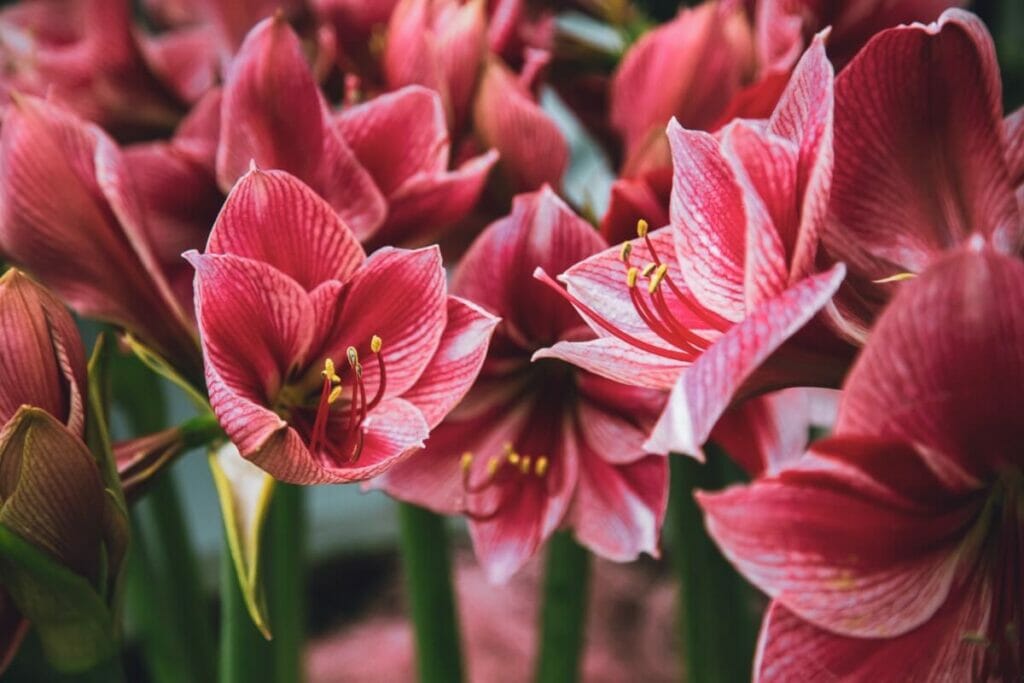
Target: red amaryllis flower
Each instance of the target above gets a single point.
(535, 446)
(784, 27)
(923, 159)
(71, 213)
(88, 56)
(894, 550)
(324, 365)
(51, 492)
(382, 165)
(699, 306)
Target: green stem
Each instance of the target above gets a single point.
(427, 564)
(109, 671)
(717, 616)
(564, 611)
(245, 657)
(286, 585)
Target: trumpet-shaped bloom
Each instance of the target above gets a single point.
(935, 166)
(51, 493)
(536, 446)
(382, 165)
(73, 215)
(699, 307)
(893, 550)
(324, 365)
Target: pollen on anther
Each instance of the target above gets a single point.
(492, 466)
(352, 355)
(641, 228)
(627, 249)
(631, 276)
(334, 395)
(646, 272)
(524, 464)
(659, 275)
(466, 461)
(329, 371)
(513, 458)
(540, 468)
(376, 343)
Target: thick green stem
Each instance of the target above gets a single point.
(427, 563)
(717, 616)
(245, 657)
(564, 610)
(286, 585)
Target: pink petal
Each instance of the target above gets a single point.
(1014, 124)
(256, 324)
(618, 510)
(507, 118)
(398, 135)
(271, 216)
(410, 53)
(632, 199)
(455, 366)
(424, 204)
(461, 42)
(791, 649)
(944, 367)
(616, 360)
(838, 553)
(703, 392)
(410, 325)
(919, 149)
(496, 273)
(185, 59)
(614, 418)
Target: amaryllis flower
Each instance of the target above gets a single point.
(536, 446)
(382, 165)
(923, 159)
(72, 214)
(323, 365)
(51, 492)
(784, 27)
(893, 550)
(699, 307)
(88, 56)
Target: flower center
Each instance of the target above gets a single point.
(654, 308)
(503, 472)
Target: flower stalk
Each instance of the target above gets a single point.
(287, 598)
(426, 560)
(564, 611)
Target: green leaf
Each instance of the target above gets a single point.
(157, 364)
(245, 492)
(73, 622)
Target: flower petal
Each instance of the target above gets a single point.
(618, 361)
(704, 391)
(455, 366)
(632, 199)
(273, 217)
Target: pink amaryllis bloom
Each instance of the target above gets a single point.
(894, 550)
(924, 159)
(324, 365)
(72, 213)
(538, 446)
(382, 165)
(699, 306)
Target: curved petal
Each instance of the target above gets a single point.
(791, 649)
(400, 296)
(616, 360)
(632, 199)
(838, 553)
(256, 323)
(410, 53)
(919, 149)
(705, 390)
(455, 366)
(944, 366)
(398, 135)
(533, 150)
(273, 217)
(496, 271)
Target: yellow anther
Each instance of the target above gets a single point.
(659, 275)
(466, 462)
(631, 277)
(541, 466)
(492, 466)
(898, 277)
(524, 464)
(627, 249)
(641, 228)
(352, 355)
(334, 395)
(376, 343)
(512, 457)
(646, 272)
(329, 371)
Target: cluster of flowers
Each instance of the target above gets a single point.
(837, 202)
